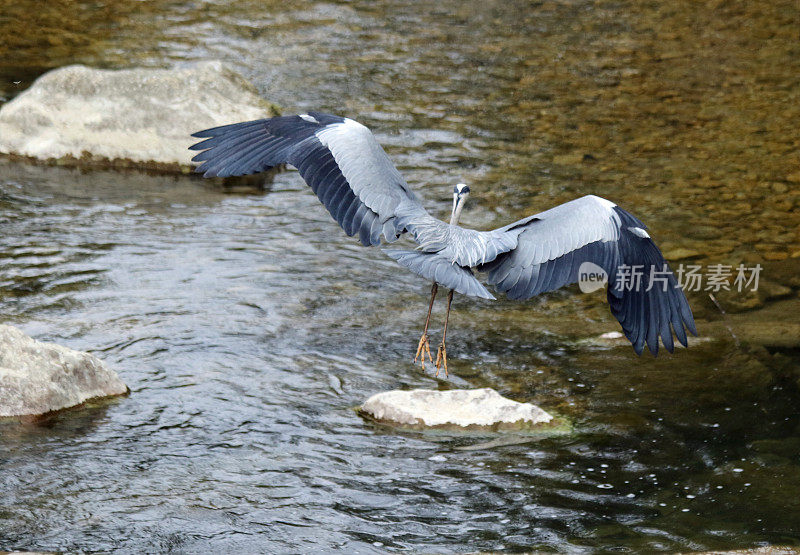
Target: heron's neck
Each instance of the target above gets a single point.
(456, 214)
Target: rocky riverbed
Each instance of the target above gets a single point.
(246, 346)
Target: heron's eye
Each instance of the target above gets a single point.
(455, 189)
(465, 190)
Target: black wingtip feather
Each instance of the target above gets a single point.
(658, 308)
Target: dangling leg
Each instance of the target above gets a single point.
(441, 356)
(423, 346)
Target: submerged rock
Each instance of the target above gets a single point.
(776, 326)
(131, 117)
(733, 300)
(36, 378)
(457, 408)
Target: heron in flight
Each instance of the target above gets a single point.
(351, 174)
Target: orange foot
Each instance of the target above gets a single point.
(423, 348)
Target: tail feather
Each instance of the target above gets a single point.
(438, 268)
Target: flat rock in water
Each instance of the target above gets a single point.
(131, 117)
(457, 408)
(36, 378)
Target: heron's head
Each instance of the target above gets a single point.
(460, 194)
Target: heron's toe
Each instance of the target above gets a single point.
(441, 360)
(422, 349)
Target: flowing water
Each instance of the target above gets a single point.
(248, 326)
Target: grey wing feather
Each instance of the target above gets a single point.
(551, 247)
(365, 166)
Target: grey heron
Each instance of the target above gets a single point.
(351, 174)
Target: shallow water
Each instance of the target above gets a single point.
(249, 326)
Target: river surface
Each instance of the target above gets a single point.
(248, 326)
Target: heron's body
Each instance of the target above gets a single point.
(353, 177)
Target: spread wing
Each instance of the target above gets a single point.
(339, 159)
(551, 247)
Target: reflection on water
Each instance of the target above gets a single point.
(248, 326)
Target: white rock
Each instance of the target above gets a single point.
(143, 116)
(454, 408)
(36, 378)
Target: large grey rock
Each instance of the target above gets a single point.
(36, 378)
(134, 117)
(457, 408)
